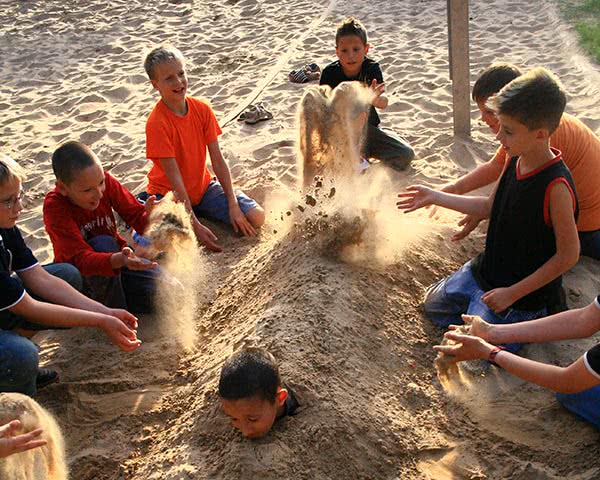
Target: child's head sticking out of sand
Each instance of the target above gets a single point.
(252, 394)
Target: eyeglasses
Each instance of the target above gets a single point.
(12, 201)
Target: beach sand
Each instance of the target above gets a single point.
(345, 323)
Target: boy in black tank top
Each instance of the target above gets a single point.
(532, 237)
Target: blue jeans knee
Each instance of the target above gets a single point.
(584, 404)
(19, 361)
(67, 272)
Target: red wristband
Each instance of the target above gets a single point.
(493, 353)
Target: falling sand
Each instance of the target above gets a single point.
(185, 268)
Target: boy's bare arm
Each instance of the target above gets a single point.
(238, 219)
(203, 233)
(567, 253)
(379, 99)
(480, 177)
(418, 196)
(572, 379)
(576, 323)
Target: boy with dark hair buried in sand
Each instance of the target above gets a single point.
(251, 392)
(532, 237)
(179, 130)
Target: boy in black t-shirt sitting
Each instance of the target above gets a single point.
(577, 385)
(351, 48)
(532, 237)
(251, 392)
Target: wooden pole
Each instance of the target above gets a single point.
(458, 49)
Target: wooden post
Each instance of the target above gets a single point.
(458, 49)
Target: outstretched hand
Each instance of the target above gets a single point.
(377, 90)
(468, 224)
(415, 197)
(10, 443)
(120, 334)
(133, 262)
(467, 347)
(479, 327)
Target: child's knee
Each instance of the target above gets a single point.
(104, 243)
(256, 216)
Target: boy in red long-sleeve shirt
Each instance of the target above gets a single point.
(78, 215)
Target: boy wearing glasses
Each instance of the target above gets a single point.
(25, 289)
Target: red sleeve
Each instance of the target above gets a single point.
(67, 241)
(500, 155)
(125, 204)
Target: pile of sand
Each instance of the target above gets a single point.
(344, 321)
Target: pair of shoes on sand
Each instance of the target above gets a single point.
(254, 114)
(45, 377)
(305, 74)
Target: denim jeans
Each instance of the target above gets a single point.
(459, 293)
(590, 244)
(134, 290)
(18, 363)
(213, 203)
(585, 404)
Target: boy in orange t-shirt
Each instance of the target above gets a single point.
(580, 150)
(179, 130)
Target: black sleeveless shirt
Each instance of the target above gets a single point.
(520, 237)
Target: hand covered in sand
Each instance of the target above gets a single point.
(120, 334)
(468, 224)
(465, 347)
(478, 326)
(127, 318)
(205, 236)
(415, 197)
(239, 221)
(499, 299)
(10, 443)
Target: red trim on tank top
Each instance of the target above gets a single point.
(557, 158)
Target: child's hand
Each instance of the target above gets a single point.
(205, 236)
(499, 299)
(151, 203)
(127, 318)
(479, 327)
(468, 224)
(10, 444)
(120, 334)
(415, 197)
(239, 222)
(377, 90)
(467, 347)
(133, 262)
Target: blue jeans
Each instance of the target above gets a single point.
(590, 244)
(213, 203)
(585, 404)
(459, 293)
(18, 363)
(134, 290)
(64, 271)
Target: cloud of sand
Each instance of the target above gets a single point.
(186, 270)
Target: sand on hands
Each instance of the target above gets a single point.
(347, 326)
